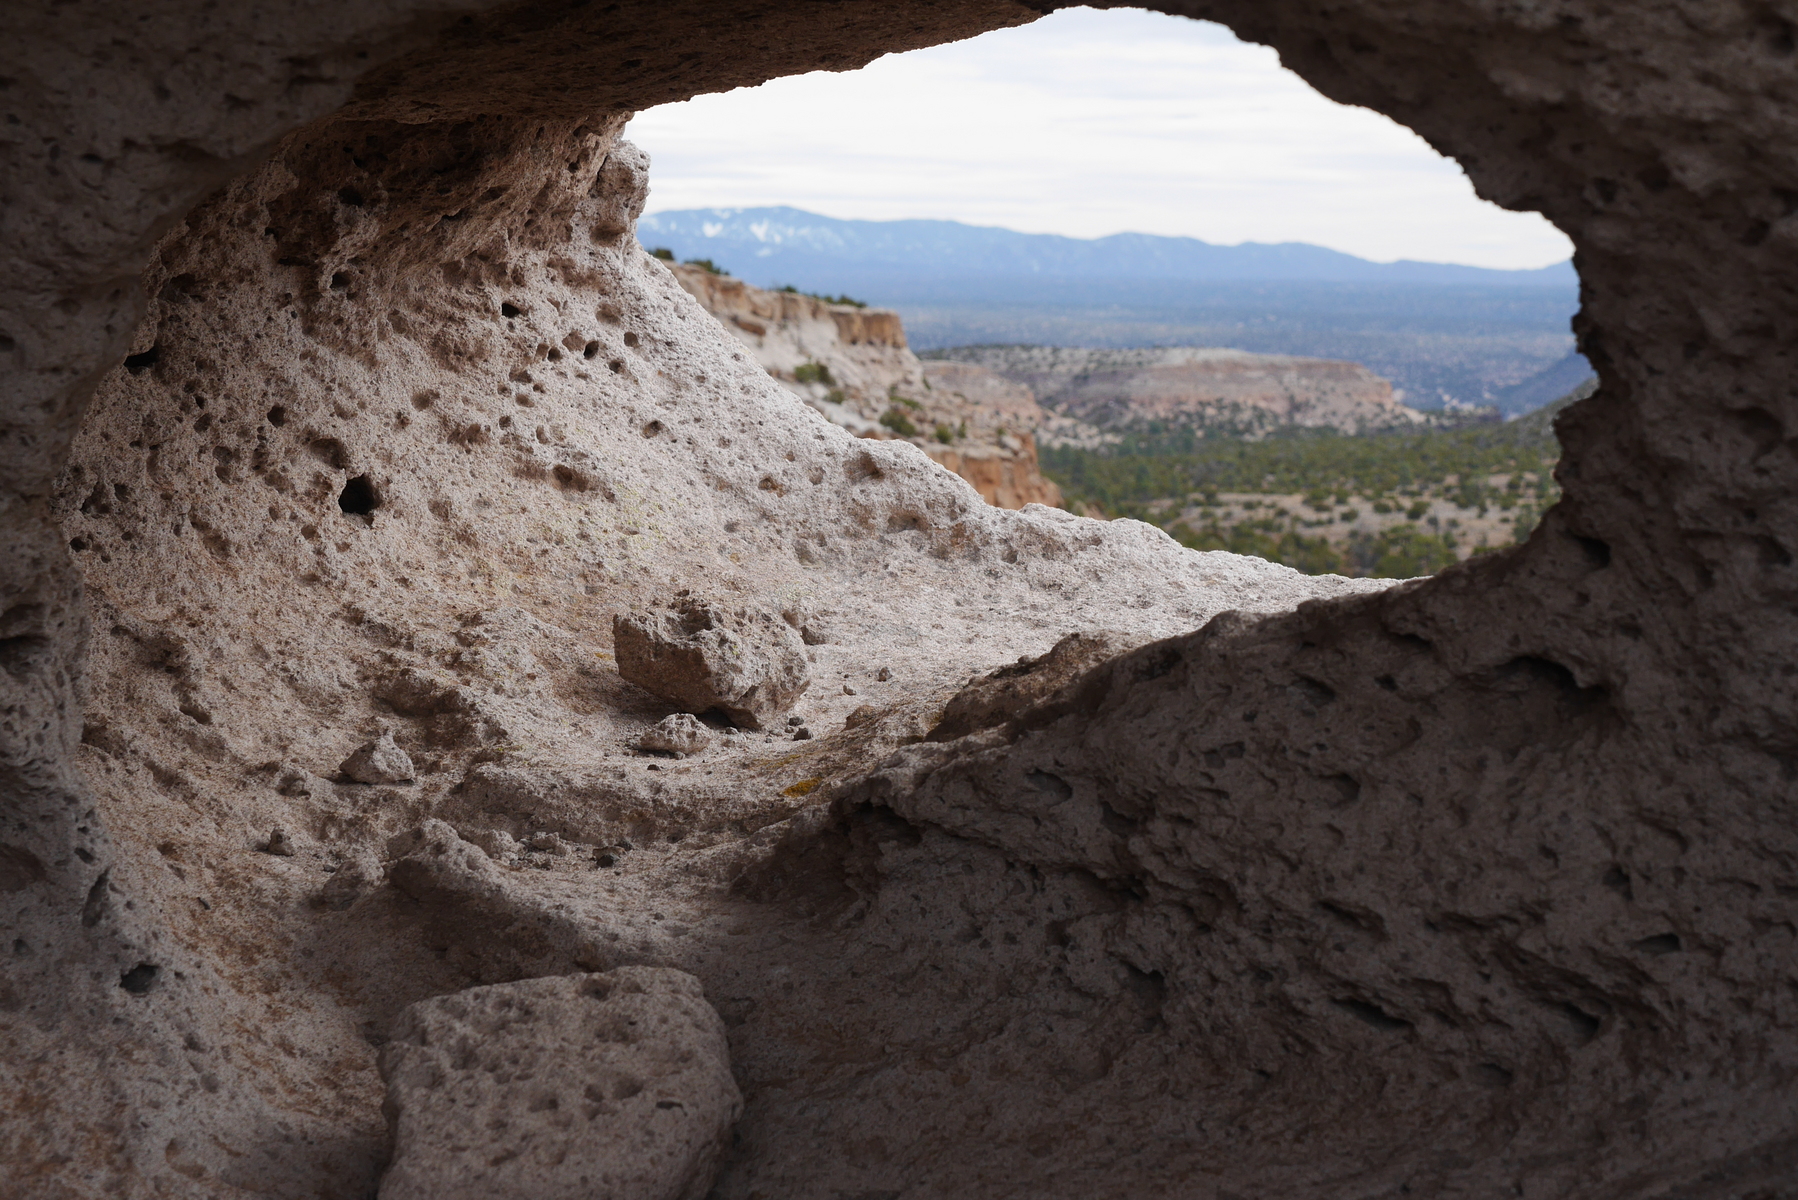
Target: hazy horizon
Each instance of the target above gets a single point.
(732, 209)
(1086, 124)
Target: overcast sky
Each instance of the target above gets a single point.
(1087, 123)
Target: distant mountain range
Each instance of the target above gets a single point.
(1444, 334)
(781, 244)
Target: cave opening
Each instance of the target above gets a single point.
(868, 945)
(1364, 386)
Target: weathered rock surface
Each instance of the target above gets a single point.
(1205, 387)
(676, 733)
(562, 1088)
(380, 761)
(1473, 886)
(745, 661)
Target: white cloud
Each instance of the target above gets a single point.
(1088, 123)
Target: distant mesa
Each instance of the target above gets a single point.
(1216, 390)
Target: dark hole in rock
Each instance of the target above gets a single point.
(1315, 691)
(1660, 943)
(140, 979)
(1597, 553)
(1115, 821)
(1492, 1075)
(359, 496)
(19, 869)
(1585, 1025)
(329, 451)
(351, 197)
(554, 356)
(137, 364)
(630, 338)
(509, 310)
(21, 655)
(617, 366)
(1617, 879)
(94, 907)
(340, 280)
(1372, 1014)
(591, 350)
(1770, 553)
(77, 543)
(277, 416)
(653, 428)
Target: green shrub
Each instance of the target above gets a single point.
(851, 301)
(896, 420)
(1417, 510)
(706, 264)
(1402, 552)
(663, 253)
(812, 372)
(944, 434)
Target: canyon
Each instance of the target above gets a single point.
(346, 420)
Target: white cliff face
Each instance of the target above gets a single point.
(853, 366)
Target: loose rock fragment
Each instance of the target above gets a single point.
(379, 762)
(279, 843)
(548, 843)
(356, 876)
(560, 1088)
(747, 662)
(677, 733)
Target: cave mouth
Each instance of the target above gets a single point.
(1292, 913)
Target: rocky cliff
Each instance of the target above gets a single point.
(852, 365)
(1200, 387)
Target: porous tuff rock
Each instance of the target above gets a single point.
(745, 661)
(380, 761)
(676, 733)
(1493, 893)
(560, 1088)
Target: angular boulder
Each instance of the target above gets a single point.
(380, 761)
(746, 661)
(560, 1088)
(676, 733)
